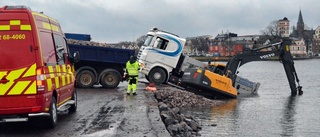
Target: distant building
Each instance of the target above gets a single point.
(298, 48)
(247, 41)
(217, 49)
(225, 36)
(228, 44)
(283, 27)
(316, 41)
(300, 31)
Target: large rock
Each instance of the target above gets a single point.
(170, 100)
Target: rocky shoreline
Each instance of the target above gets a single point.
(170, 101)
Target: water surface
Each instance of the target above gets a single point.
(273, 112)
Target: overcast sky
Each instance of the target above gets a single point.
(113, 21)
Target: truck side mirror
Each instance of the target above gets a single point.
(76, 57)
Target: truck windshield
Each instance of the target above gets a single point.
(148, 40)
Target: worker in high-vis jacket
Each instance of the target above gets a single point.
(132, 69)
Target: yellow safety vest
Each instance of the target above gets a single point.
(133, 69)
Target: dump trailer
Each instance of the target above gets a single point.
(78, 36)
(100, 65)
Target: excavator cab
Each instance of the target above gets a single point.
(217, 68)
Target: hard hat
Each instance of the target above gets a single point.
(133, 57)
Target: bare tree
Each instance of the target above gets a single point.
(141, 40)
(203, 44)
(272, 31)
(199, 43)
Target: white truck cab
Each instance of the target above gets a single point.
(161, 57)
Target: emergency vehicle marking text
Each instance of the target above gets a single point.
(13, 37)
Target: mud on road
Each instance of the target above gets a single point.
(99, 109)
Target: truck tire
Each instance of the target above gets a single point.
(147, 78)
(85, 79)
(110, 78)
(53, 118)
(74, 106)
(157, 76)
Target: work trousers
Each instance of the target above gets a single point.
(132, 84)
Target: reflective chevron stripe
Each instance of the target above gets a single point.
(14, 86)
(20, 81)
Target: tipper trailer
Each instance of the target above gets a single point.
(100, 65)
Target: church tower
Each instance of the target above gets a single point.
(283, 27)
(300, 26)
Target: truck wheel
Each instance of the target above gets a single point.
(53, 118)
(85, 79)
(110, 78)
(147, 78)
(157, 76)
(74, 106)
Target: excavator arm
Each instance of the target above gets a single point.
(280, 49)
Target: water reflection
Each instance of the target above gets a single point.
(225, 117)
(225, 108)
(288, 120)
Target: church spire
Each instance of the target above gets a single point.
(300, 19)
(300, 25)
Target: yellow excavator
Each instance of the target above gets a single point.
(221, 79)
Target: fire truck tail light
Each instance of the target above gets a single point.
(40, 75)
(40, 78)
(39, 71)
(39, 83)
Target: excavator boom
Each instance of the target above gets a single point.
(280, 49)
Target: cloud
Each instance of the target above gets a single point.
(126, 20)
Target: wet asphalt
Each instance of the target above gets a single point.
(141, 116)
(101, 113)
